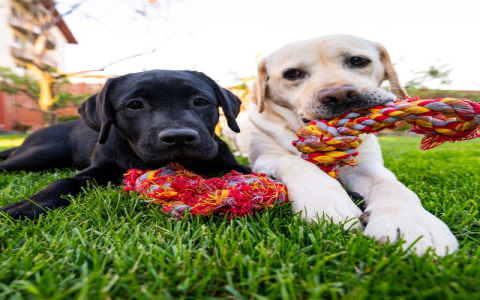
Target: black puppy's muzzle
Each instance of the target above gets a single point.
(176, 143)
(178, 137)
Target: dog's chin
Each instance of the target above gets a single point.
(178, 155)
(321, 114)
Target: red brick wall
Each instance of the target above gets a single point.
(65, 112)
(19, 112)
(3, 114)
(82, 88)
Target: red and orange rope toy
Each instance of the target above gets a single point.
(177, 190)
(332, 144)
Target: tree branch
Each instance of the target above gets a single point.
(19, 89)
(123, 59)
(57, 19)
(51, 10)
(110, 64)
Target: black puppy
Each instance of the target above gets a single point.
(140, 120)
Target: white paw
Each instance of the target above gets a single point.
(409, 224)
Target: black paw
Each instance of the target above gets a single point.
(51, 197)
(25, 209)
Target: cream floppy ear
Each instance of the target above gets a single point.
(390, 73)
(260, 86)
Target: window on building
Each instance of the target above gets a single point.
(18, 41)
(16, 13)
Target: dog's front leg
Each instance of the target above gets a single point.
(53, 196)
(311, 190)
(49, 198)
(393, 211)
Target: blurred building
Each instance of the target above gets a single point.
(18, 31)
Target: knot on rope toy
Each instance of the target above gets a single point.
(333, 143)
(177, 190)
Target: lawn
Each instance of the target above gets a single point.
(108, 245)
(12, 140)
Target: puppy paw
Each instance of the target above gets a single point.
(22, 210)
(415, 226)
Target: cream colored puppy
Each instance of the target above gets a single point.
(322, 78)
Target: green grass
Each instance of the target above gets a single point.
(107, 245)
(11, 140)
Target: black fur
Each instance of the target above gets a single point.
(175, 124)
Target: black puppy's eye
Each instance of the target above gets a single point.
(135, 105)
(200, 102)
(293, 74)
(358, 62)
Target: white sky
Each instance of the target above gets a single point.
(219, 37)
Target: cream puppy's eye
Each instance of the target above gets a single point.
(293, 74)
(358, 62)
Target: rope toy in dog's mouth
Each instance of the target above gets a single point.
(177, 190)
(332, 144)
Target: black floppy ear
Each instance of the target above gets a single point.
(96, 112)
(231, 107)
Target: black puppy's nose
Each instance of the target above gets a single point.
(343, 94)
(178, 136)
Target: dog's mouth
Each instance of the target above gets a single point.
(331, 108)
(177, 153)
(186, 156)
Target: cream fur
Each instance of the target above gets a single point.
(279, 105)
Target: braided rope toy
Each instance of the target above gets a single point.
(177, 189)
(332, 144)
